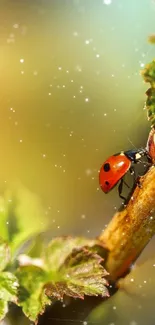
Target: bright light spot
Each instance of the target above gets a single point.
(88, 172)
(78, 68)
(74, 96)
(35, 73)
(59, 68)
(67, 71)
(114, 307)
(21, 60)
(105, 114)
(107, 2)
(132, 280)
(83, 216)
(12, 35)
(20, 140)
(15, 26)
(63, 86)
(133, 322)
(87, 42)
(49, 94)
(86, 99)
(10, 40)
(113, 75)
(97, 55)
(72, 80)
(22, 72)
(44, 156)
(75, 34)
(142, 65)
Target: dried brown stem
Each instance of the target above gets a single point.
(131, 229)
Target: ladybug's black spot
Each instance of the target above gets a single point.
(106, 167)
(106, 182)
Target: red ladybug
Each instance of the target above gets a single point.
(115, 167)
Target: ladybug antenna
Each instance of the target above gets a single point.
(132, 143)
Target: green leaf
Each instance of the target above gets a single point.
(81, 274)
(31, 296)
(150, 105)
(8, 291)
(151, 39)
(59, 248)
(21, 216)
(148, 73)
(3, 218)
(69, 267)
(4, 254)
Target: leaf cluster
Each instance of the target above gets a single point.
(33, 273)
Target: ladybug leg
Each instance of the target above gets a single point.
(126, 183)
(136, 180)
(120, 188)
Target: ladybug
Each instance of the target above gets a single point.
(115, 168)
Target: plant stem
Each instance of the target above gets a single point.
(131, 229)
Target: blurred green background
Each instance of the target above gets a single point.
(71, 95)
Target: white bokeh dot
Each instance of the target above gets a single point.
(107, 2)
